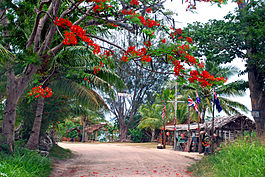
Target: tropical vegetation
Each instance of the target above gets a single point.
(241, 158)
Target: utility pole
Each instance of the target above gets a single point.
(175, 118)
(175, 115)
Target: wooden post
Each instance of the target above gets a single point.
(242, 128)
(199, 130)
(96, 136)
(187, 147)
(212, 131)
(115, 134)
(106, 136)
(164, 134)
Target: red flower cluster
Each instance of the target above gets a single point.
(201, 64)
(146, 58)
(149, 23)
(140, 53)
(176, 32)
(191, 60)
(134, 2)
(98, 8)
(39, 91)
(70, 37)
(147, 43)
(163, 40)
(78, 30)
(97, 68)
(149, 10)
(189, 40)
(177, 67)
(63, 22)
(124, 58)
(107, 54)
(204, 78)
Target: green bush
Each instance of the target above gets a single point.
(24, 163)
(58, 152)
(240, 158)
(137, 135)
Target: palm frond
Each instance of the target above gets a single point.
(84, 95)
(232, 89)
(5, 55)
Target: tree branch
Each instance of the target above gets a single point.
(104, 40)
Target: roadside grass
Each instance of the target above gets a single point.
(24, 163)
(241, 158)
(59, 153)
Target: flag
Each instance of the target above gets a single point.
(192, 103)
(198, 98)
(164, 111)
(216, 101)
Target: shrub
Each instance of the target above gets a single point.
(136, 135)
(241, 158)
(23, 163)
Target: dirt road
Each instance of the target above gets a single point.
(115, 160)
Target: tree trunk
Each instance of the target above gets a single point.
(153, 135)
(123, 132)
(8, 124)
(84, 126)
(256, 83)
(15, 88)
(257, 96)
(33, 141)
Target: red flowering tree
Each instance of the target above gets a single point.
(50, 25)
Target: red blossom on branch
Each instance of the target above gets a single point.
(149, 10)
(134, 2)
(40, 92)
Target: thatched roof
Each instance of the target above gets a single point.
(225, 122)
(232, 123)
(95, 127)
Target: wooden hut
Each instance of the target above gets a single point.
(227, 128)
(91, 132)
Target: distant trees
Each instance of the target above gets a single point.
(241, 35)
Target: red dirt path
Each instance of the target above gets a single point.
(115, 160)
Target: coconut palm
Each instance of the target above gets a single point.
(67, 79)
(151, 117)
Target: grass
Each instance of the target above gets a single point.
(240, 159)
(24, 163)
(60, 153)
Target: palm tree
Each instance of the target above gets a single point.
(65, 80)
(151, 117)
